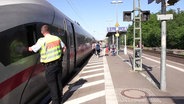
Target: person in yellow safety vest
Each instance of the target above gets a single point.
(51, 49)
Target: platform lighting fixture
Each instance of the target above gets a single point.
(116, 2)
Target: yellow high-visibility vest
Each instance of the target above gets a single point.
(51, 49)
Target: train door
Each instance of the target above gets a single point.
(21, 71)
(72, 46)
(36, 70)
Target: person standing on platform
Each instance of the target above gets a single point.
(107, 50)
(97, 48)
(113, 49)
(51, 49)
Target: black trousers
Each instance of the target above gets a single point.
(53, 74)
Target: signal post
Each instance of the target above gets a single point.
(138, 17)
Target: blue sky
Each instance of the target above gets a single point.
(96, 15)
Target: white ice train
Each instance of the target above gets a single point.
(22, 78)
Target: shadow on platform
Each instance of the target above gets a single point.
(72, 88)
(148, 70)
(175, 99)
(131, 60)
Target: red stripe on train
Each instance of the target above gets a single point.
(16, 80)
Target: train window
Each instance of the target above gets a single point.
(59, 32)
(53, 30)
(31, 34)
(14, 42)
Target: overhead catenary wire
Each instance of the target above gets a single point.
(75, 10)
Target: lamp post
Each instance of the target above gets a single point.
(116, 2)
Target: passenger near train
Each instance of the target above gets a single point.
(22, 79)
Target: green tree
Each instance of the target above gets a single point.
(151, 31)
(130, 35)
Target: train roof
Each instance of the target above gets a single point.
(12, 2)
(18, 12)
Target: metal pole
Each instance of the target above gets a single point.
(163, 50)
(117, 45)
(117, 27)
(125, 48)
(113, 39)
(134, 2)
(116, 12)
(140, 13)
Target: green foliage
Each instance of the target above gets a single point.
(151, 31)
(175, 31)
(130, 35)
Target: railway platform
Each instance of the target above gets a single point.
(111, 80)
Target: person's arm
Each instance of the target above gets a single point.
(36, 47)
(30, 49)
(64, 49)
(63, 46)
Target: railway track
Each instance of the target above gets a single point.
(170, 56)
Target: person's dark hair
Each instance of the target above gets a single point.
(46, 28)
